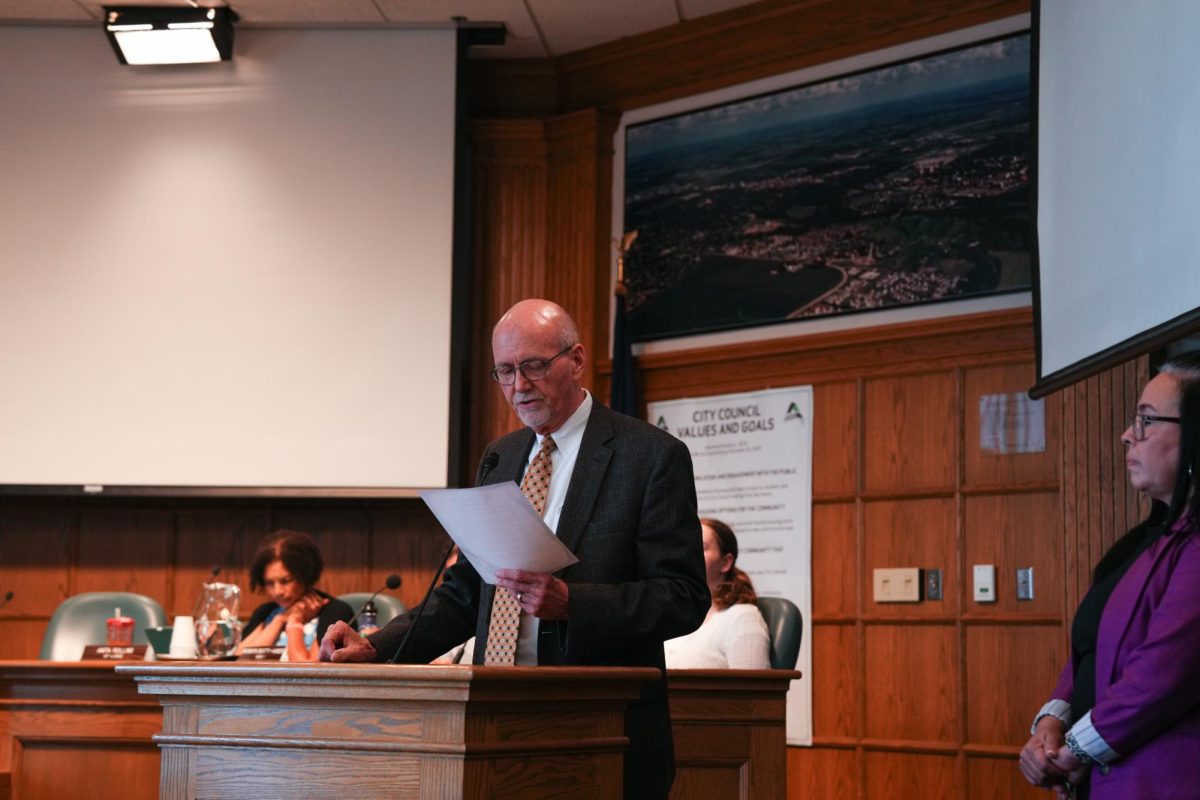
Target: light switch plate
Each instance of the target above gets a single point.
(1025, 583)
(901, 585)
(985, 583)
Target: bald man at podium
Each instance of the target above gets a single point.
(615, 490)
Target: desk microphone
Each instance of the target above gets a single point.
(392, 583)
(7, 596)
(199, 610)
(490, 460)
(489, 463)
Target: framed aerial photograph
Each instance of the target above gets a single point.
(899, 184)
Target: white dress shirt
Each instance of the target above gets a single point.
(567, 440)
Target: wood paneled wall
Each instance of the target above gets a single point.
(511, 197)
(542, 209)
(931, 699)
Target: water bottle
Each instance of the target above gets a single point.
(368, 620)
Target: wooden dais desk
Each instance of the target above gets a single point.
(75, 729)
(730, 733)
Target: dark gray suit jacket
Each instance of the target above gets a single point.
(630, 517)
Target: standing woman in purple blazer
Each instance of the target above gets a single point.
(1124, 719)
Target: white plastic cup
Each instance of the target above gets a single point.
(183, 638)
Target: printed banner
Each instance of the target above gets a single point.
(752, 454)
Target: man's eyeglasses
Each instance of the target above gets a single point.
(1139, 422)
(534, 369)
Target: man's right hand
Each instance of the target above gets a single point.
(342, 643)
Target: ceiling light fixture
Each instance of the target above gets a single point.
(170, 34)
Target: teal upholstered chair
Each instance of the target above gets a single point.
(81, 620)
(387, 605)
(785, 625)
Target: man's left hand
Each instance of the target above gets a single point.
(538, 593)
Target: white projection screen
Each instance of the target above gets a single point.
(227, 277)
(1117, 171)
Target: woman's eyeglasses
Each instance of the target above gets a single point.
(1140, 421)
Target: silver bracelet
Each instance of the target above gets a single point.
(1079, 752)
(1083, 756)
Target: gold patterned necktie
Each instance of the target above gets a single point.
(505, 624)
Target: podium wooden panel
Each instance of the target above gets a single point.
(235, 730)
(75, 729)
(730, 733)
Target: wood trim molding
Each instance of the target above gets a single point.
(579, 222)
(992, 337)
(990, 322)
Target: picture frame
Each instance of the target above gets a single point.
(900, 180)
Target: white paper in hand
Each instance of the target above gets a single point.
(496, 529)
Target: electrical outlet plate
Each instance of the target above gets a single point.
(902, 585)
(933, 584)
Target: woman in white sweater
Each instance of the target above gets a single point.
(734, 635)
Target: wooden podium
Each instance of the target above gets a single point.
(236, 730)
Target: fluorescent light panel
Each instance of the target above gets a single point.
(143, 35)
(167, 47)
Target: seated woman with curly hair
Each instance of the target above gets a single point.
(734, 634)
(287, 567)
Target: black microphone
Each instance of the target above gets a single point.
(213, 572)
(421, 609)
(489, 463)
(490, 460)
(7, 596)
(392, 583)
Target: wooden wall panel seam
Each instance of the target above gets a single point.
(960, 514)
(989, 489)
(860, 557)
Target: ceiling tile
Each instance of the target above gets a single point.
(306, 12)
(271, 12)
(523, 40)
(574, 25)
(46, 10)
(568, 25)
